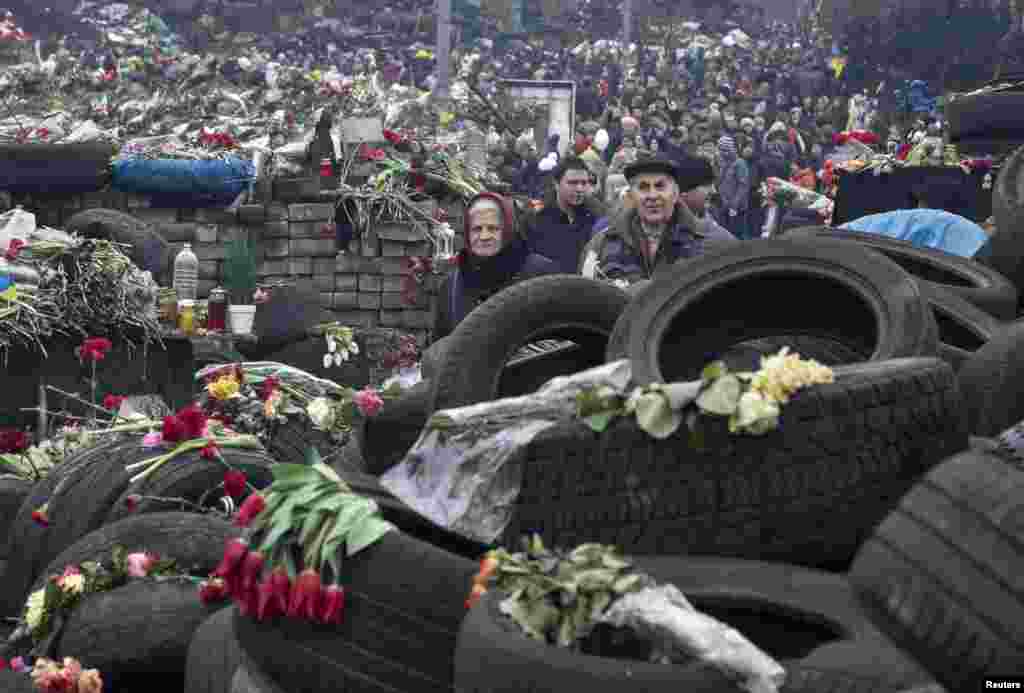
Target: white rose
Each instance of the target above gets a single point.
(34, 608)
(340, 357)
(321, 413)
(332, 345)
(328, 360)
(353, 348)
(73, 584)
(757, 413)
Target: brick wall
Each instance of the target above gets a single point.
(361, 288)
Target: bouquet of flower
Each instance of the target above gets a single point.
(65, 677)
(751, 401)
(296, 530)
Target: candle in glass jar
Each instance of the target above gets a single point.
(217, 309)
(187, 317)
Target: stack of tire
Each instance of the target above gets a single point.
(777, 535)
(92, 506)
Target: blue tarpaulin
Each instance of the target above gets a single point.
(925, 228)
(215, 178)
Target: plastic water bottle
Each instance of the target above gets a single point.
(186, 274)
(16, 223)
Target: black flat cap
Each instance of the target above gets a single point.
(655, 165)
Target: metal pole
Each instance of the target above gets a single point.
(627, 22)
(444, 40)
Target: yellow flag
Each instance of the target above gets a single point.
(10, 293)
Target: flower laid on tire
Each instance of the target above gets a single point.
(576, 599)
(295, 532)
(752, 401)
(47, 608)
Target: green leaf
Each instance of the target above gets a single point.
(313, 522)
(440, 422)
(566, 629)
(355, 509)
(277, 531)
(614, 562)
(627, 583)
(52, 596)
(599, 422)
(595, 579)
(722, 397)
(366, 533)
(313, 456)
(599, 602)
(535, 617)
(310, 494)
(315, 554)
(655, 416)
(328, 473)
(293, 472)
(713, 371)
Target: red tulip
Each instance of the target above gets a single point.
(173, 431)
(113, 402)
(132, 501)
(252, 507)
(94, 349)
(213, 590)
(306, 596)
(475, 595)
(266, 604)
(193, 421)
(268, 387)
(332, 605)
(249, 577)
(16, 245)
(230, 566)
(234, 482)
(13, 441)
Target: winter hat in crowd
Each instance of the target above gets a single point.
(581, 145)
(601, 140)
(504, 206)
(727, 147)
(693, 172)
(630, 123)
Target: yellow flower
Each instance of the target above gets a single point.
(34, 608)
(756, 413)
(73, 583)
(224, 387)
(782, 374)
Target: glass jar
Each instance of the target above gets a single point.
(167, 301)
(187, 317)
(217, 310)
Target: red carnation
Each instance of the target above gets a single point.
(193, 421)
(12, 250)
(268, 387)
(234, 483)
(392, 136)
(252, 507)
(173, 430)
(132, 501)
(113, 402)
(94, 349)
(13, 441)
(209, 451)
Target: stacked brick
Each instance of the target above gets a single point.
(361, 288)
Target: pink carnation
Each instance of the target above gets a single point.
(139, 564)
(368, 402)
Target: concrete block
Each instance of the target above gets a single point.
(370, 283)
(312, 247)
(275, 229)
(312, 211)
(394, 266)
(184, 232)
(324, 266)
(276, 247)
(369, 245)
(252, 214)
(136, 202)
(346, 300)
(417, 319)
(349, 263)
(204, 287)
(346, 282)
(357, 130)
(393, 284)
(398, 249)
(209, 269)
(326, 299)
(369, 301)
(357, 318)
(324, 283)
(211, 215)
(210, 251)
(207, 233)
(276, 211)
(300, 265)
(398, 232)
(306, 229)
(269, 268)
(391, 301)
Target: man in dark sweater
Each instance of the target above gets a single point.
(565, 224)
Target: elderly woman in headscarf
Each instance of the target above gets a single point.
(495, 257)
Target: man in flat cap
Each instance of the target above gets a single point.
(658, 228)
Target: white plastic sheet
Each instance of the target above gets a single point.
(466, 474)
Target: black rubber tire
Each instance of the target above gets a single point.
(57, 169)
(808, 494)
(149, 250)
(214, 655)
(820, 636)
(431, 358)
(553, 307)
(747, 291)
(250, 678)
(1007, 243)
(829, 352)
(136, 630)
(990, 383)
(989, 115)
(292, 439)
(31, 543)
(408, 520)
(196, 542)
(942, 575)
(385, 438)
(189, 476)
(403, 607)
(963, 328)
(13, 492)
(970, 280)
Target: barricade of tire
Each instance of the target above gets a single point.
(1007, 243)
